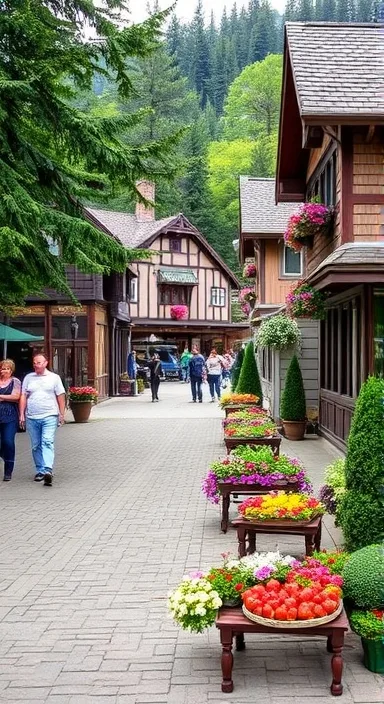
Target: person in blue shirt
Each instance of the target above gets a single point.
(197, 370)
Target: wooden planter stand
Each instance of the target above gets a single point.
(247, 531)
(273, 442)
(227, 489)
(231, 623)
(239, 407)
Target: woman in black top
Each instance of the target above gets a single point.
(156, 373)
(10, 389)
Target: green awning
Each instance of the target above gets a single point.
(13, 335)
(177, 276)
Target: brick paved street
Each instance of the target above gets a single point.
(85, 568)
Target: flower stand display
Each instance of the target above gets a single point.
(247, 532)
(273, 441)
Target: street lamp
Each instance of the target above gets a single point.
(74, 334)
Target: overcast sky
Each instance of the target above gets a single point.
(185, 8)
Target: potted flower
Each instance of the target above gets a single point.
(179, 312)
(311, 219)
(369, 625)
(304, 301)
(194, 604)
(280, 506)
(248, 294)
(279, 332)
(249, 271)
(81, 399)
(293, 404)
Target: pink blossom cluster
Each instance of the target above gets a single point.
(249, 271)
(308, 221)
(179, 312)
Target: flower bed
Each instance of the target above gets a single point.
(278, 505)
(304, 301)
(194, 603)
(254, 466)
(311, 219)
(233, 399)
(262, 427)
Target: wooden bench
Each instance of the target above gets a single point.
(248, 531)
(227, 489)
(231, 623)
(273, 441)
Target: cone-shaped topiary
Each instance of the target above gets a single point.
(363, 576)
(293, 405)
(237, 368)
(361, 511)
(249, 380)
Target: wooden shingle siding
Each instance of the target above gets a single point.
(368, 166)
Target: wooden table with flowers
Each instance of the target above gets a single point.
(246, 531)
(273, 441)
(232, 623)
(225, 489)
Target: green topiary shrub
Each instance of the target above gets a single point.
(363, 577)
(361, 517)
(293, 405)
(237, 369)
(249, 380)
(364, 467)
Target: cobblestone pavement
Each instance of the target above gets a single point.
(85, 567)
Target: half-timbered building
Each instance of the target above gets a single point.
(331, 146)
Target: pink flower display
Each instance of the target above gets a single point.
(179, 312)
(249, 271)
(304, 301)
(311, 219)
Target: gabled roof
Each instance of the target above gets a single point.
(132, 233)
(351, 262)
(259, 213)
(338, 68)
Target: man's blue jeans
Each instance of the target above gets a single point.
(42, 433)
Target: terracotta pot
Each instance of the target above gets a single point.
(81, 410)
(294, 429)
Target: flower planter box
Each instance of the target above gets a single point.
(226, 489)
(273, 441)
(373, 655)
(238, 407)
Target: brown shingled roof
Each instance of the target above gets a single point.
(338, 68)
(258, 210)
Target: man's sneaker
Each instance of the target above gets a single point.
(39, 477)
(200, 400)
(48, 479)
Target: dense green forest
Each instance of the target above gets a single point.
(212, 88)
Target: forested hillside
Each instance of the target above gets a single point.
(211, 89)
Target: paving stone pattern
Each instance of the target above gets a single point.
(85, 568)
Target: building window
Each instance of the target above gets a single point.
(292, 262)
(323, 187)
(266, 363)
(341, 349)
(378, 333)
(217, 296)
(133, 286)
(173, 295)
(175, 245)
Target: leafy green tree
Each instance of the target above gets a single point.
(293, 405)
(249, 380)
(253, 102)
(264, 156)
(52, 154)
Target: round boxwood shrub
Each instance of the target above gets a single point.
(249, 380)
(293, 405)
(363, 576)
(361, 517)
(237, 369)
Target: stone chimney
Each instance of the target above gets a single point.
(145, 213)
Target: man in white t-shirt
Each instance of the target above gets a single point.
(42, 407)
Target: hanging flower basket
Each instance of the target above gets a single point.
(278, 332)
(179, 312)
(249, 271)
(304, 301)
(311, 219)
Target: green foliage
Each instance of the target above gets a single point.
(237, 368)
(361, 517)
(334, 474)
(363, 577)
(293, 405)
(249, 379)
(53, 155)
(335, 561)
(140, 386)
(364, 467)
(264, 156)
(367, 625)
(279, 332)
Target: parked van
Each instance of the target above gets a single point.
(167, 354)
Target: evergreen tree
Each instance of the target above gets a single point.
(174, 36)
(241, 39)
(318, 10)
(249, 379)
(237, 369)
(291, 10)
(293, 405)
(263, 39)
(304, 11)
(200, 62)
(329, 11)
(225, 27)
(52, 154)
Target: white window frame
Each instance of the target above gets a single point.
(133, 289)
(218, 296)
(289, 275)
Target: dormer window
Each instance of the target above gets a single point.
(174, 245)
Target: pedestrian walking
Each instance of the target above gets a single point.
(184, 364)
(10, 388)
(156, 374)
(42, 407)
(226, 374)
(197, 370)
(215, 365)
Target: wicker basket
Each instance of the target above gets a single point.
(291, 625)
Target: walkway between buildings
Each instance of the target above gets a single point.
(85, 568)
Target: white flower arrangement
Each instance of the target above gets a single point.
(194, 604)
(278, 332)
(260, 559)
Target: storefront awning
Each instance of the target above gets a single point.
(177, 276)
(12, 335)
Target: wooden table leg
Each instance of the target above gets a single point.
(309, 545)
(337, 642)
(251, 541)
(226, 499)
(329, 644)
(226, 637)
(318, 538)
(241, 537)
(240, 642)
